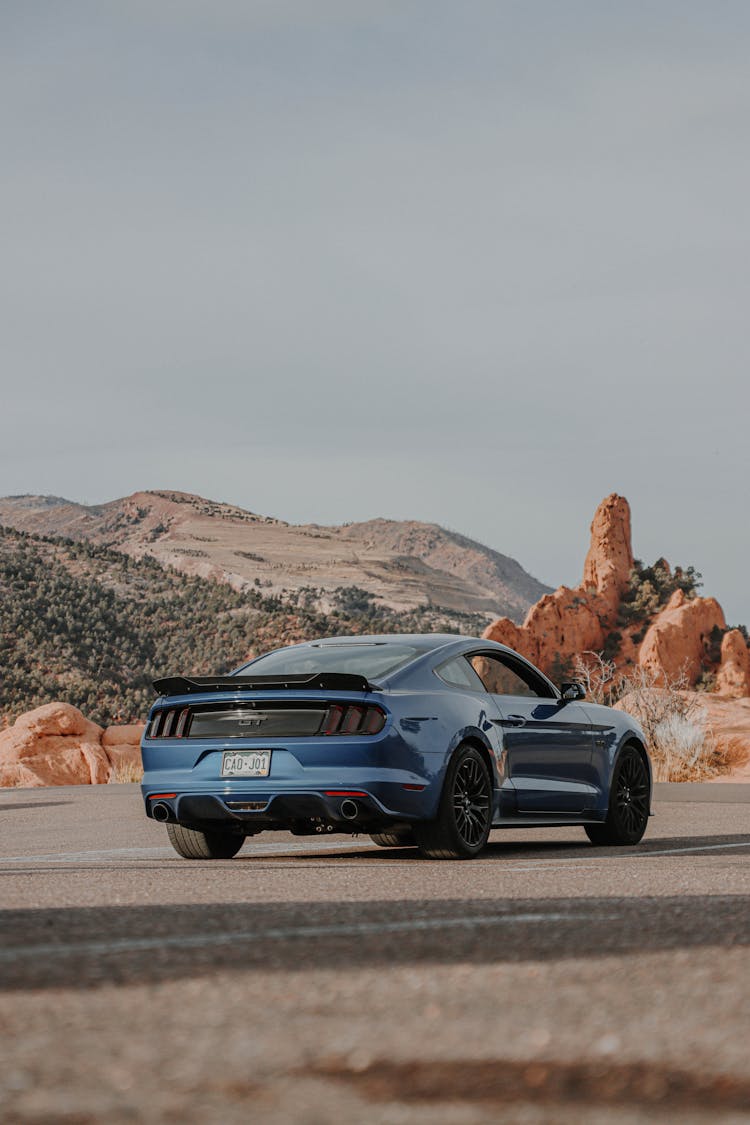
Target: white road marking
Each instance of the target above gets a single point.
(78, 857)
(113, 855)
(157, 853)
(576, 861)
(695, 848)
(354, 929)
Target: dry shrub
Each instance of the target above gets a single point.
(730, 752)
(125, 773)
(682, 749)
(598, 675)
(681, 744)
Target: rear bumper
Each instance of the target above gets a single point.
(251, 810)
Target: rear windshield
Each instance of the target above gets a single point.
(369, 660)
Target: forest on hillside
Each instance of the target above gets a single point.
(93, 627)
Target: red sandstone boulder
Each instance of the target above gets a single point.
(58, 719)
(733, 677)
(129, 734)
(53, 745)
(567, 621)
(677, 640)
(57, 745)
(122, 745)
(506, 632)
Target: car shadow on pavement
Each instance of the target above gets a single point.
(659, 844)
(501, 850)
(721, 845)
(82, 947)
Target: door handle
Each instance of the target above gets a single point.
(516, 720)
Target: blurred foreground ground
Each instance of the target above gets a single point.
(318, 981)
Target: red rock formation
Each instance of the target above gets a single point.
(677, 640)
(57, 745)
(610, 557)
(122, 745)
(564, 623)
(733, 677)
(517, 637)
(53, 745)
(571, 621)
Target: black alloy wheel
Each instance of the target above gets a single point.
(465, 815)
(471, 800)
(628, 803)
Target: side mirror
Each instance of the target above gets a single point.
(572, 691)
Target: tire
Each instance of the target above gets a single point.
(192, 844)
(628, 803)
(465, 815)
(404, 838)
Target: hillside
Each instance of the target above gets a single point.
(403, 564)
(90, 626)
(93, 626)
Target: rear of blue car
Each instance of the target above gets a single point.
(257, 758)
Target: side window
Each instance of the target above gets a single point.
(505, 677)
(458, 673)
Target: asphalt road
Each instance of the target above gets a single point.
(322, 980)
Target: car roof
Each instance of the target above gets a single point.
(427, 644)
(425, 641)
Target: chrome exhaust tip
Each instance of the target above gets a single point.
(349, 809)
(161, 812)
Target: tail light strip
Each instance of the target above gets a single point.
(340, 718)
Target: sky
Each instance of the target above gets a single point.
(479, 264)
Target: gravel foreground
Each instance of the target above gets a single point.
(328, 980)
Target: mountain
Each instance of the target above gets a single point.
(404, 565)
(94, 627)
(91, 625)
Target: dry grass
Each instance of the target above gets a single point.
(730, 752)
(681, 748)
(680, 741)
(125, 773)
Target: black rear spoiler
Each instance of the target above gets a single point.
(329, 681)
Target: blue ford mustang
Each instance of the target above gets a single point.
(419, 740)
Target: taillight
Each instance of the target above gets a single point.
(333, 718)
(374, 721)
(353, 718)
(169, 724)
(153, 730)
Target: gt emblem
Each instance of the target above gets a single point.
(254, 722)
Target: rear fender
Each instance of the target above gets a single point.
(474, 736)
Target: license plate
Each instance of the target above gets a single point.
(246, 763)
